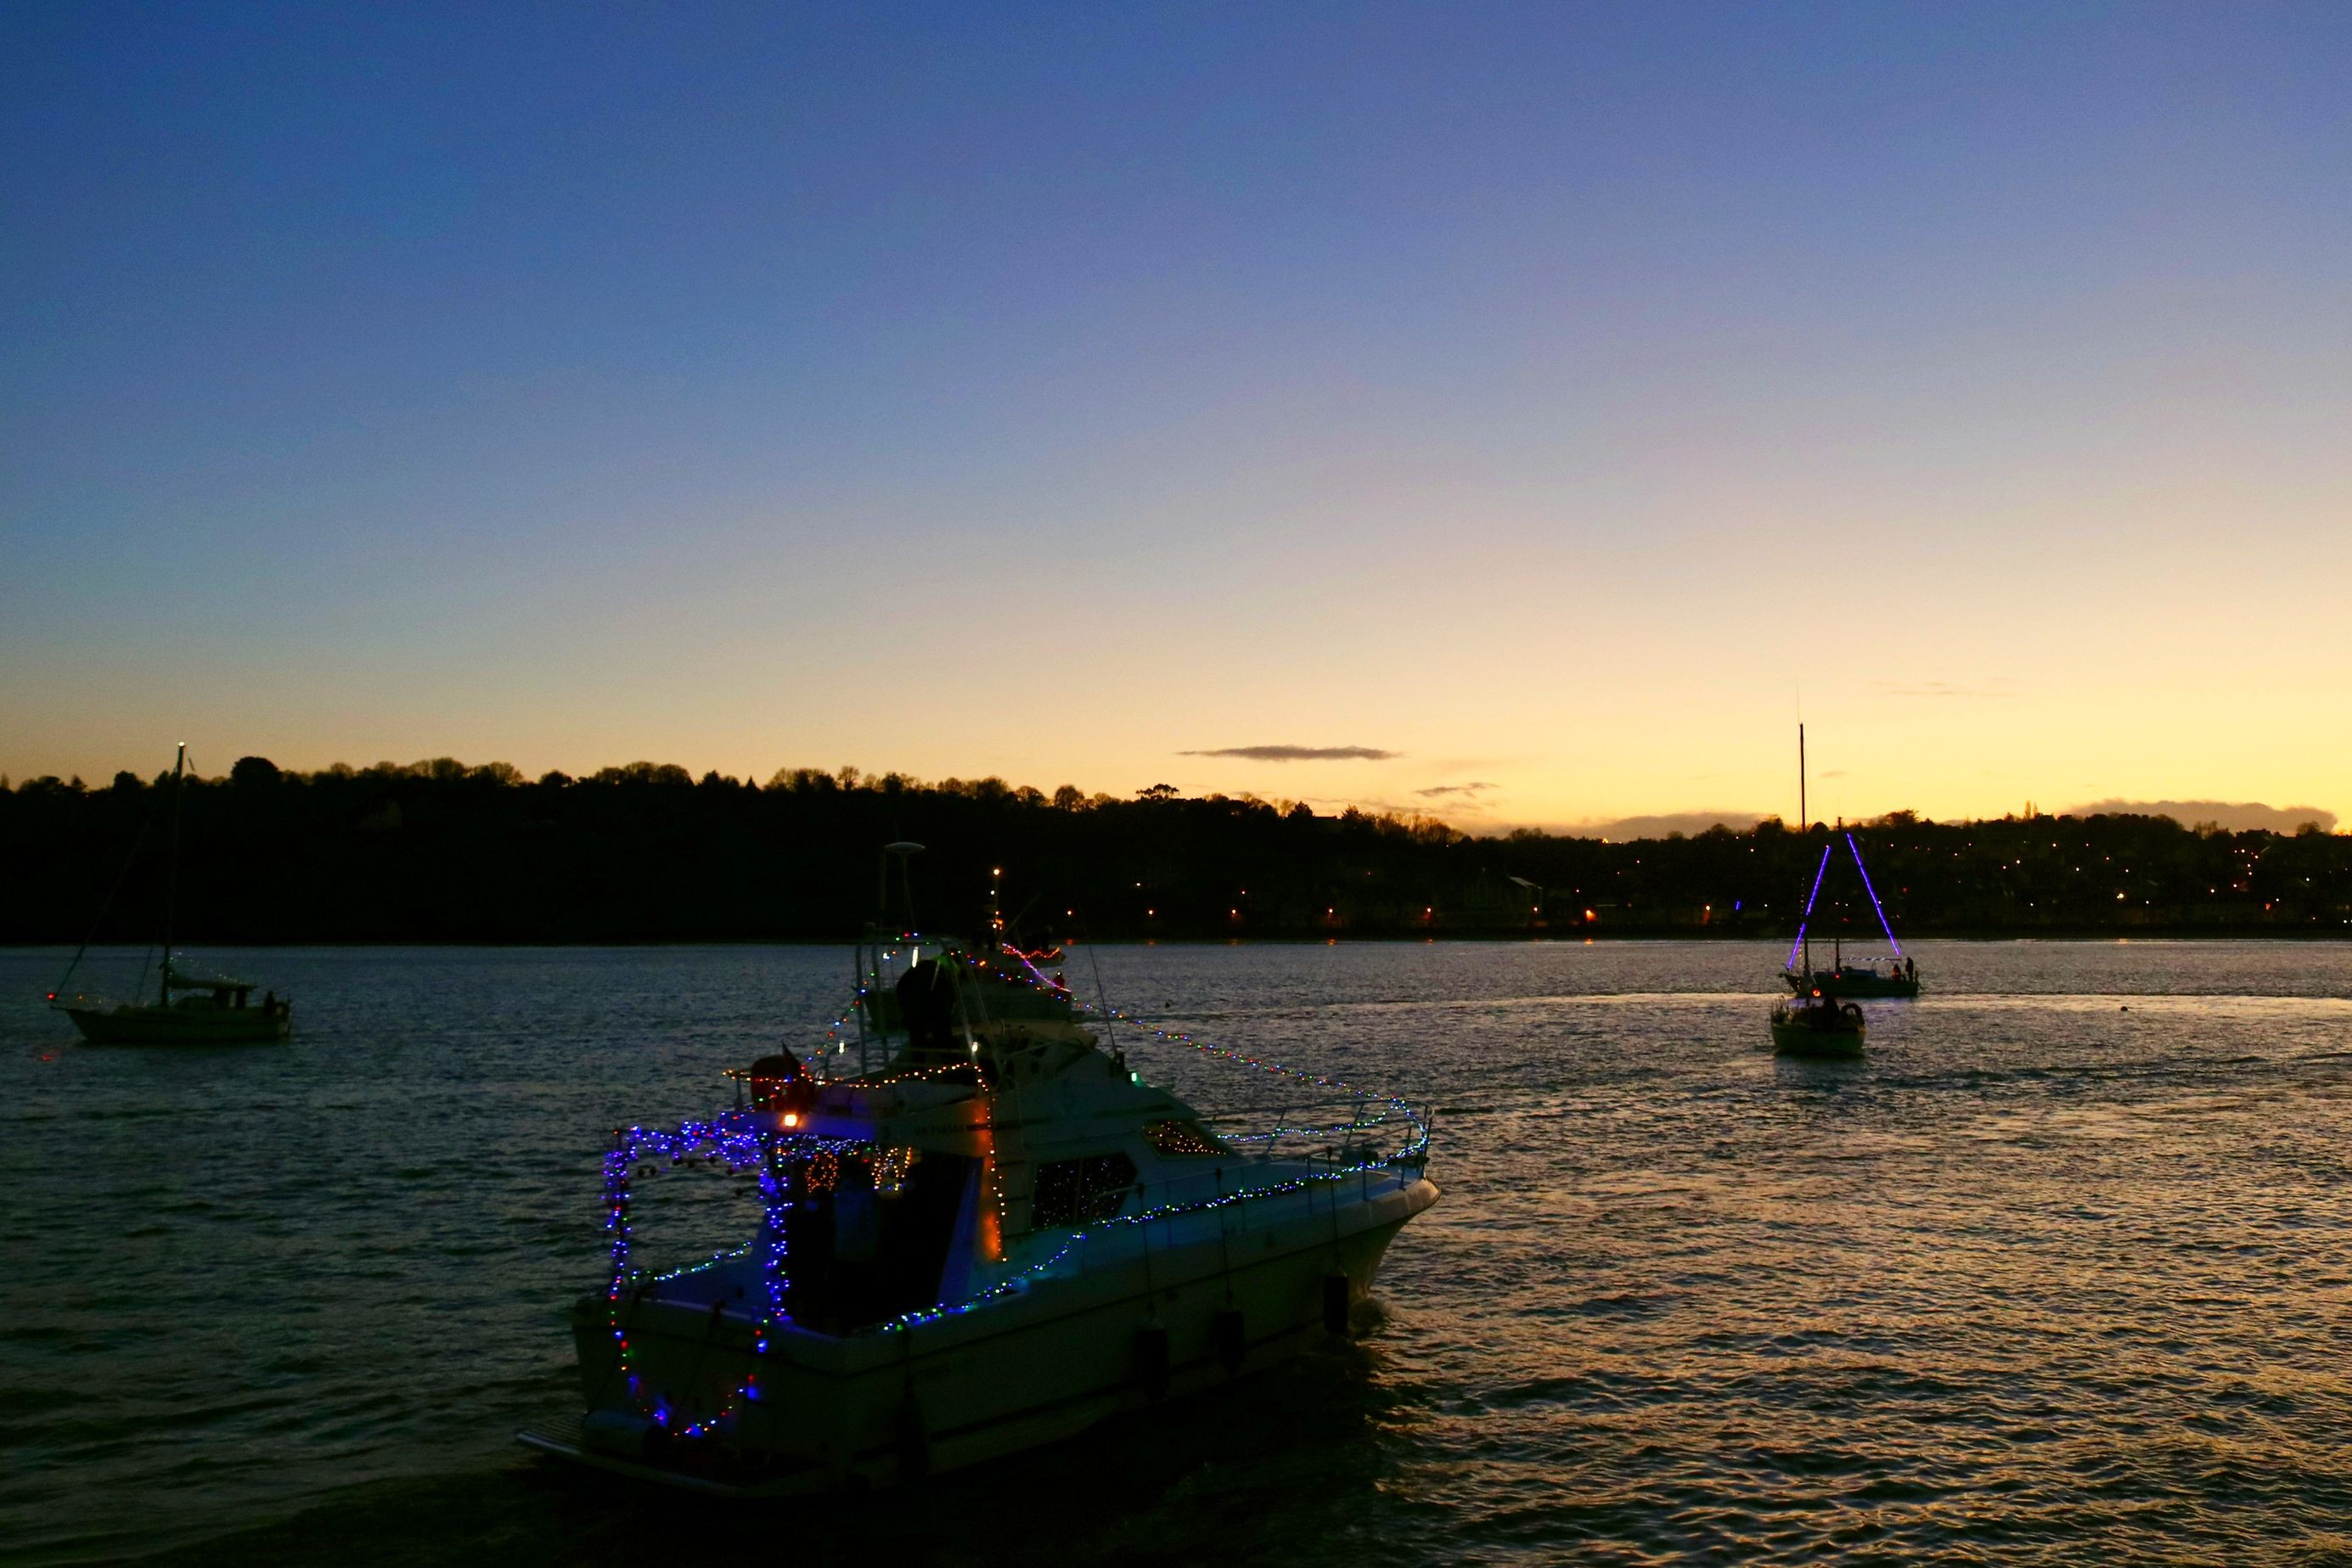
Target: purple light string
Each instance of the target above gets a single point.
(1810, 898)
(1882, 925)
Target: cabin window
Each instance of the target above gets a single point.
(1081, 1192)
(858, 1253)
(1182, 1139)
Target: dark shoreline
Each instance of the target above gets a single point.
(1861, 946)
(478, 857)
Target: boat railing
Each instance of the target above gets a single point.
(1295, 1128)
(1310, 1153)
(1233, 1197)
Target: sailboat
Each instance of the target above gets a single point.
(1813, 1022)
(192, 1006)
(1856, 976)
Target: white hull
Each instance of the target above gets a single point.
(1141, 1315)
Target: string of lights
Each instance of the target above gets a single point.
(735, 1140)
(1015, 1282)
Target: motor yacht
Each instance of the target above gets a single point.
(976, 1229)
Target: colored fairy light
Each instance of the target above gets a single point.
(735, 1140)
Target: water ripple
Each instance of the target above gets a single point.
(2062, 1269)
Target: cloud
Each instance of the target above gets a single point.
(1998, 686)
(1659, 826)
(2236, 817)
(1831, 773)
(1298, 753)
(1474, 787)
(1409, 810)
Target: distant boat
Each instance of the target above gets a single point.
(192, 1006)
(1817, 1025)
(1844, 978)
(1860, 978)
(1814, 1022)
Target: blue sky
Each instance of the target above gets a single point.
(1550, 395)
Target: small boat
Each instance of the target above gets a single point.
(1844, 977)
(1858, 978)
(984, 1232)
(190, 1007)
(1814, 1022)
(1817, 1026)
(1848, 977)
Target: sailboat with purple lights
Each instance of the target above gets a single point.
(1897, 978)
(1815, 1021)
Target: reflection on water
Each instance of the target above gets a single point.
(2063, 1260)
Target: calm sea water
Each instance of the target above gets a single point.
(2064, 1268)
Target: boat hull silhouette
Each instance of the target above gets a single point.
(1862, 982)
(134, 1023)
(1197, 1301)
(1820, 1033)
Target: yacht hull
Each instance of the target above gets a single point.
(132, 1024)
(1158, 1316)
(1825, 1044)
(1878, 987)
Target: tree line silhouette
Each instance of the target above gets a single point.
(441, 852)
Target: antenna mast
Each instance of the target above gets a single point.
(1805, 826)
(172, 882)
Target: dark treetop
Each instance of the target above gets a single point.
(440, 851)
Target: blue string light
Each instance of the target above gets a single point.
(737, 1139)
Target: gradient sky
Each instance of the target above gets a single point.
(1560, 397)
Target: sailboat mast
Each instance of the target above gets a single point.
(172, 878)
(1805, 826)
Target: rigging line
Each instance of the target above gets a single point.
(1102, 994)
(154, 808)
(171, 885)
(1881, 908)
(1810, 900)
